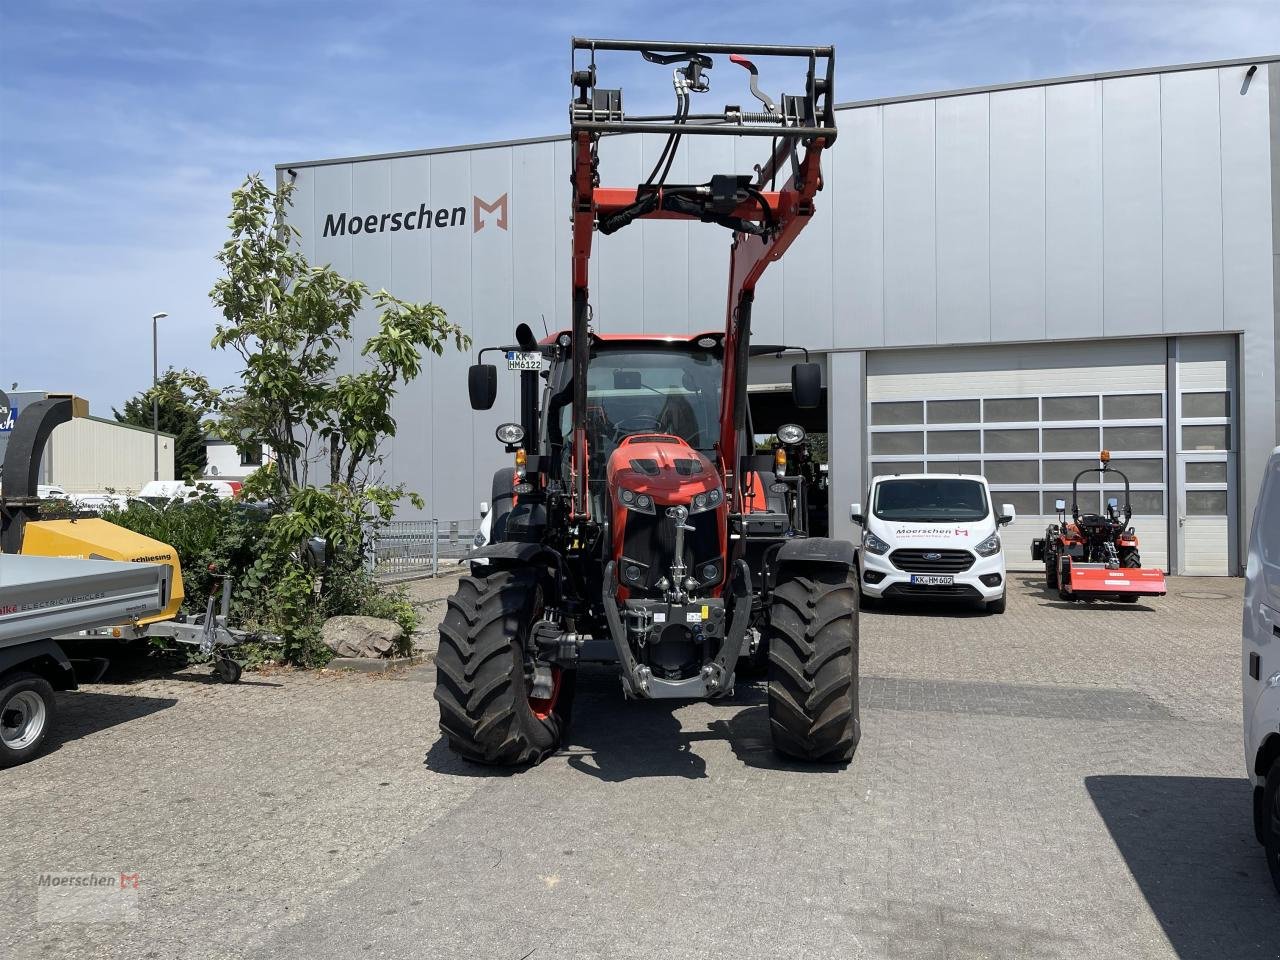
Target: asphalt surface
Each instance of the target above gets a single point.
(1061, 781)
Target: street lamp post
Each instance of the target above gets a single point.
(155, 396)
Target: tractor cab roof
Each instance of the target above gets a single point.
(562, 337)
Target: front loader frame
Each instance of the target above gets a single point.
(765, 221)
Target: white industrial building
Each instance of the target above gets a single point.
(89, 454)
(1001, 280)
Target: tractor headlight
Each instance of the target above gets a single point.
(873, 544)
(988, 547)
(640, 502)
(702, 502)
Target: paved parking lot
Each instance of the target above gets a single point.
(1057, 782)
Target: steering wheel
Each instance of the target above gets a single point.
(637, 424)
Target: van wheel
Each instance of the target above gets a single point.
(26, 713)
(997, 606)
(1271, 821)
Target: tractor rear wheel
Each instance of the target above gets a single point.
(813, 664)
(485, 708)
(1129, 557)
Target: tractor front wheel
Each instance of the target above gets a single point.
(486, 711)
(813, 664)
(1051, 574)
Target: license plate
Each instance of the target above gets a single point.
(932, 580)
(523, 361)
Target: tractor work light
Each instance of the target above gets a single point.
(791, 433)
(509, 433)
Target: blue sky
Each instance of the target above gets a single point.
(125, 125)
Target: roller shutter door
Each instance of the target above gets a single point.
(1029, 418)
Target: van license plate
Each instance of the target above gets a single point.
(929, 580)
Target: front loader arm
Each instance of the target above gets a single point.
(765, 222)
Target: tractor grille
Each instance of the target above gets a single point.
(932, 561)
(651, 540)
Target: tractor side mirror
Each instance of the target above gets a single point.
(806, 385)
(855, 513)
(1060, 506)
(482, 385)
(1008, 514)
(1112, 502)
(484, 509)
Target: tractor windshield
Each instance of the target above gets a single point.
(665, 388)
(930, 499)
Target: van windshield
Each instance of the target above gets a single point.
(926, 499)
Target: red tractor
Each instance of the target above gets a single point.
(636, 525)
(1095, 556)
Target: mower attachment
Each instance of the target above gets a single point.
(1088, 581)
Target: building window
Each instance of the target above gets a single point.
(251, 456)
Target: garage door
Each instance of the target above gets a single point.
(1029, 418)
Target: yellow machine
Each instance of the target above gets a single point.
(94, 539)
(23, 532)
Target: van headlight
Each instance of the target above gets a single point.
(873, 544)
(988, 547)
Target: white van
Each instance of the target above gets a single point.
(932, 536)
(1261, 666)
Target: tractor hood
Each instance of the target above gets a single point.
(662, 466)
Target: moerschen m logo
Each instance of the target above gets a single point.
(498, 206)
(423, 218)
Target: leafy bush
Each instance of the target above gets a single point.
(277, 588)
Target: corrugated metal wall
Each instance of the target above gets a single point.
(1131, 206)
(88, 455)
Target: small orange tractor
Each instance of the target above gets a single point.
(1095, 556)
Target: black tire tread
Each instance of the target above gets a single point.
(480, 682)
(32, 681)
(813, 665)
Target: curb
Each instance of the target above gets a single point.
(371, 664)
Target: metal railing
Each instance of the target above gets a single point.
(411, 549)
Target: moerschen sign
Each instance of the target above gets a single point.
(422, 218)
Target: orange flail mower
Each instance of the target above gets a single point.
(1095, 556)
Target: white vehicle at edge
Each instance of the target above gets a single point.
(1261, 666)
(932, 536)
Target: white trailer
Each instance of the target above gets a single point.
(44, 597)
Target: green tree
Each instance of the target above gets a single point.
(179, 415)
(291, 323)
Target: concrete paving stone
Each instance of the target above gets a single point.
(1057, 782)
